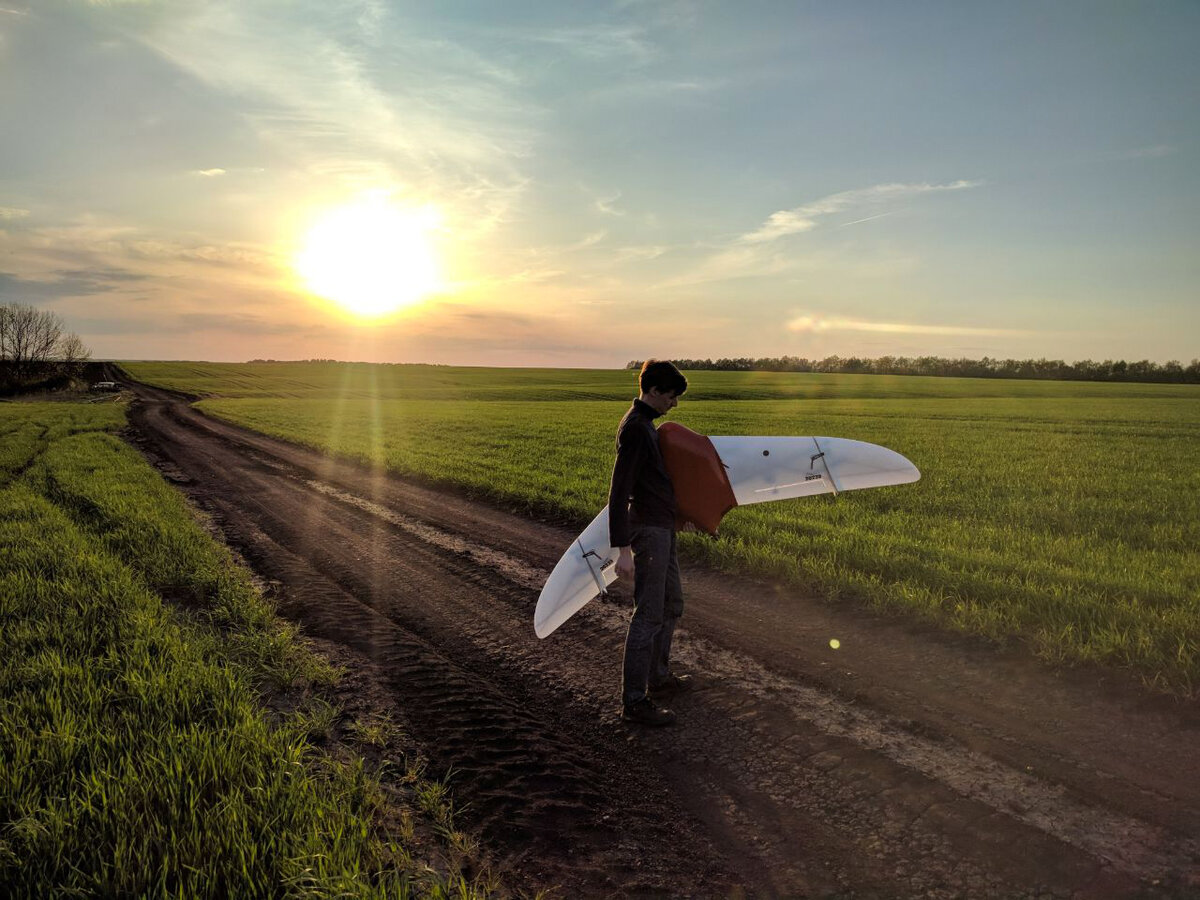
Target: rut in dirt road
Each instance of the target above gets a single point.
(906, 765)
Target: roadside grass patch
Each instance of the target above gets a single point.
(373, 730)
(26, 429)
(1062, 514)
(136, 757)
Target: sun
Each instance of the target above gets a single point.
(371, 258)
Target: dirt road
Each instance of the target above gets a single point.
(902, 764)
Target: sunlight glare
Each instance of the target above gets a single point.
(371, 258)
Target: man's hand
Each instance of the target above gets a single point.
(625, 563)
(686, 527)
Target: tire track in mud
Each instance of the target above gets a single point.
(769, 785)
(518, 572)
(527, 785)
(560, 813)
(1129, 845)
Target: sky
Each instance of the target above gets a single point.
(583, 184)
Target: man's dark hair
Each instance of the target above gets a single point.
(658, 373)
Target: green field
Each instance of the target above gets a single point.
(136, 756)
(363, 381)
(1065, 515)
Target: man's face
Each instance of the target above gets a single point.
(662, 401)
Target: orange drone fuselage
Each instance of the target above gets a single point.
(702, 491)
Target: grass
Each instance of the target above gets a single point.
(368, 382)
(1065, 515)
(136, 755)
(373, 730)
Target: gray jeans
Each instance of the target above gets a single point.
(658, 604)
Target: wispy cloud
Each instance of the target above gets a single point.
(639, 89)
(760, 253)
(12, 212)
(68, 283)
(588, 240)
(1157, 151)
(605, 205)
(239, 323)
(94, 243)
(866, 219)
(208, 173)
(463, 333)
(641, 253)
(807, 217)
(125, 264)
(244, 256)
(816, 324)
(357, 95)
(600, 42)
(730, 263)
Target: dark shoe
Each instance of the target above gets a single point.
(645, 712)
(674, 684)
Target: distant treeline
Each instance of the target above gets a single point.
(1171, 372)
(36, 350)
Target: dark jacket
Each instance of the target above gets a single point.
(641, 491)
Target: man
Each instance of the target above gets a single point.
(641, 522)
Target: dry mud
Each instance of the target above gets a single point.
(902, 764)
